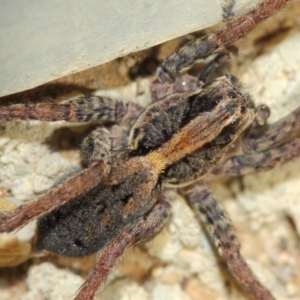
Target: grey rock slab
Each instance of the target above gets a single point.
(44, 40)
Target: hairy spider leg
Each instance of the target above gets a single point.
(95, 156)
(142, 230)
(264, 147)
(272, 135)
(219, 227)
(198, 49)
(82, 109)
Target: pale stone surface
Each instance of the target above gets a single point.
(46, 281)
(24, 156)
(45, 40)
(124, 290)
(163, 291)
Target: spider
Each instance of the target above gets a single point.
(194, 127)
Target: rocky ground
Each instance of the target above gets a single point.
(180, 262)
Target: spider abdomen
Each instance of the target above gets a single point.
(85, 224)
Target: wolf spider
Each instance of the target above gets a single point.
(193, 128)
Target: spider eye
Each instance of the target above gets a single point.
(233, 80)
(232, 95)
(215, 102)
